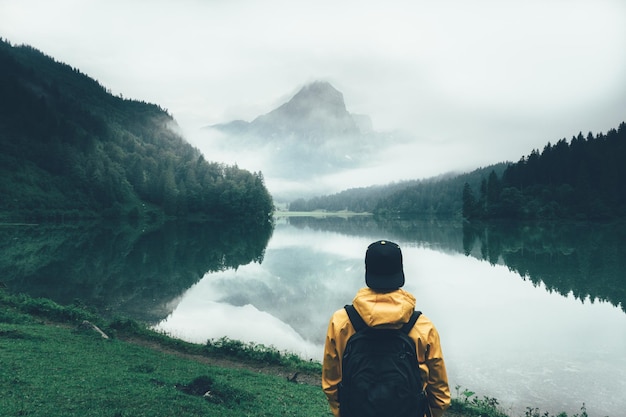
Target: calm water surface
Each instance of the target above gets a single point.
(532, 315)
(503, 336)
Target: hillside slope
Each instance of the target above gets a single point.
(68, 147)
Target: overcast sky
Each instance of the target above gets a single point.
(476, 82)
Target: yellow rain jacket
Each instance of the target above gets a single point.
(392, 308)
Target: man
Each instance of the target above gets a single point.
(384, 304)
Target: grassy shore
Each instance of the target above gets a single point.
(66, 361)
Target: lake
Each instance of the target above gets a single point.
(532, 314)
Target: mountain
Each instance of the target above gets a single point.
(315, 114)
(68, 148)
(310, 135)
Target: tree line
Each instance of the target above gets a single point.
(438, 196)
(582, 179)
(68, 147)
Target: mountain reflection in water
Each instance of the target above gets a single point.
(522, 341)
(530, 314)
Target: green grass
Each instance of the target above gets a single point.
(52, 366)
(62, 369)
(51, 370)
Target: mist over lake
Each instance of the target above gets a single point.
(533, 315)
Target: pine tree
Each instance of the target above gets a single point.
(469, 202)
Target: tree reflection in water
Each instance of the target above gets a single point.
(121, 268)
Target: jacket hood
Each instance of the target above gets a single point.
(380, 308)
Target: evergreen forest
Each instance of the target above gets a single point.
(70, 149)
(439, 196)
(583, 179)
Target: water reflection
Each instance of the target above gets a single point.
(587, 260)
(123, 269)
(503, 336)
(304, 276)
(529, 314)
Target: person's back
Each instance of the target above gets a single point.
(380, 375)
(383, 304)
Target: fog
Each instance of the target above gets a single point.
(307, 156)
(473, 83)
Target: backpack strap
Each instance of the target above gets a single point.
(355, 318)
(359, 324)
(408, 326)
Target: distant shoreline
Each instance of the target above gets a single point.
(318, 213)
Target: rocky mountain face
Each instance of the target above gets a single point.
(316, 113)
(311, 134)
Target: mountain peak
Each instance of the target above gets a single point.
(319, 94)
(317, 110)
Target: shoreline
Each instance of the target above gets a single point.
(42, 325)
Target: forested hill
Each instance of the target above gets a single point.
(582, 179)
(433, 196)
(68, 147)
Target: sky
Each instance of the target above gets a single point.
(475, 83)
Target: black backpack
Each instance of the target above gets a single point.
(380, 374)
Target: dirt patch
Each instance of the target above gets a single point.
(276, 370)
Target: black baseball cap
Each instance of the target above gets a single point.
(383, 266)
